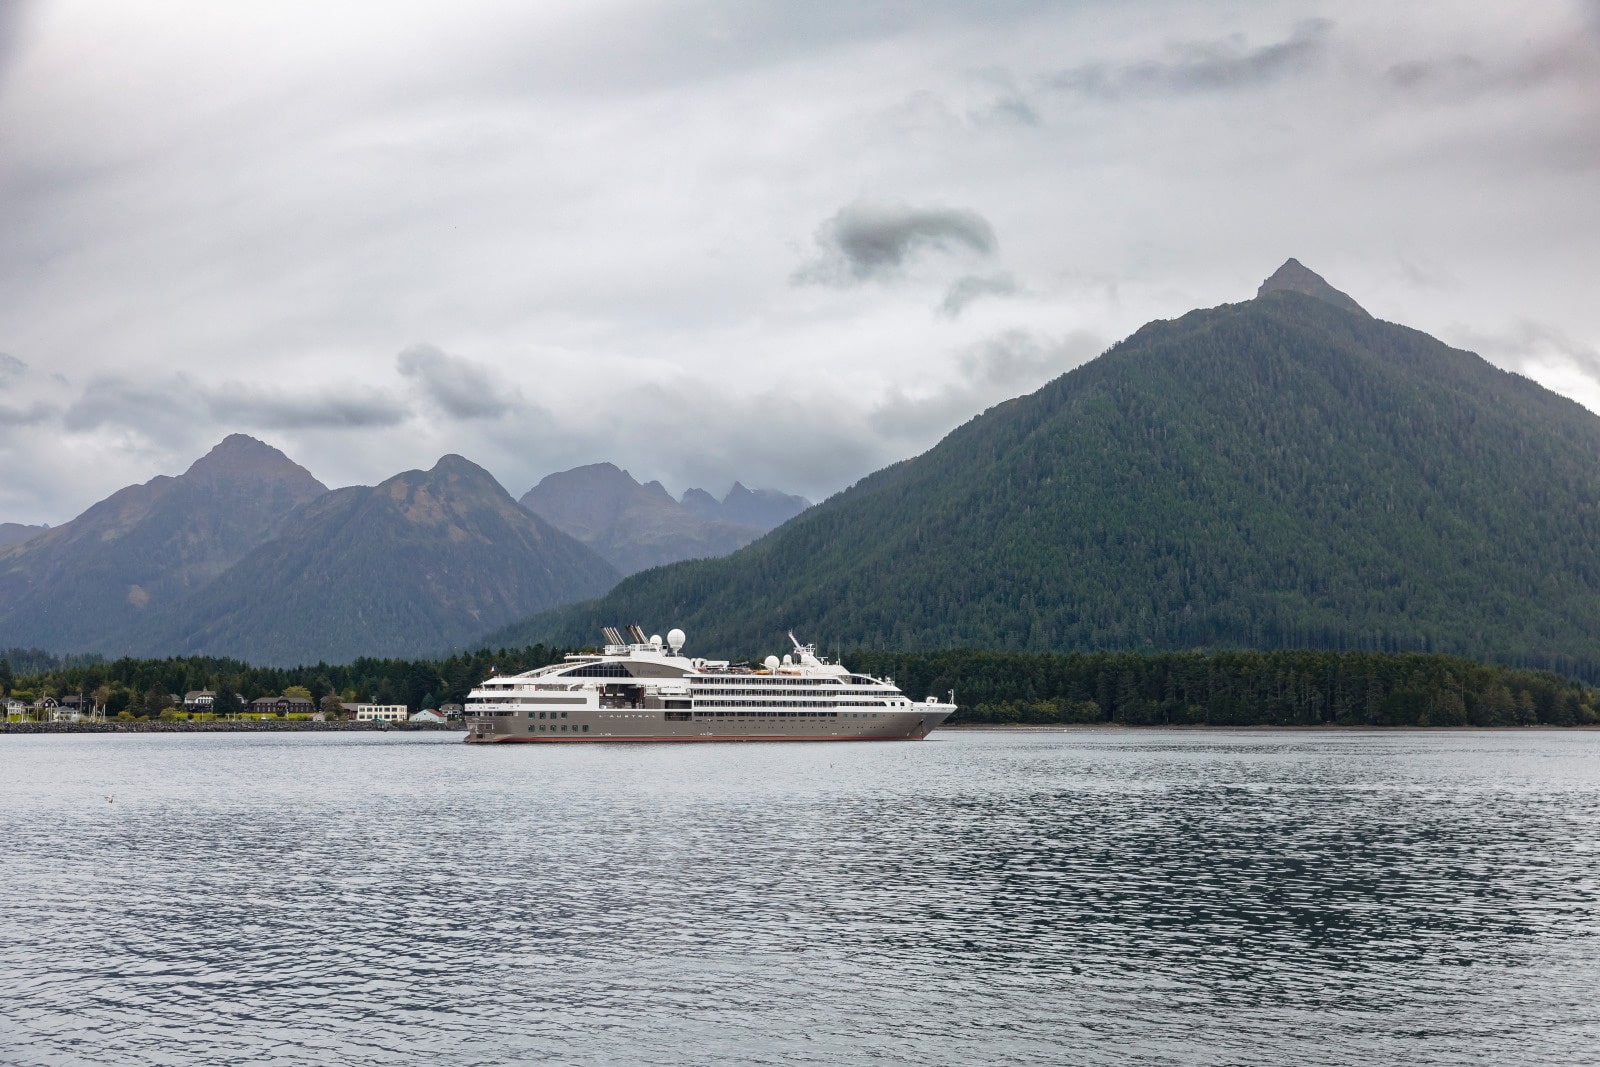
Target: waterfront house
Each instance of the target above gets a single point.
(427, 715)
(279, 705)
(16, 709)
(198, 700)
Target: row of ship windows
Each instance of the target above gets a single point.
(785, 693)
(617, 670)
(562, 728)
(749, 679)
(803, 694)
(810, 714)
(785, 715)
(726, 704)
(702, 703)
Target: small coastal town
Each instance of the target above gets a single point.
(202, 705)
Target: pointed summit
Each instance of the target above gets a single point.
(1298, 278)
(241, 458)
(458, 466)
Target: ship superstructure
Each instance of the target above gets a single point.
(643, 689)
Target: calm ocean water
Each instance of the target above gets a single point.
(1087, 897)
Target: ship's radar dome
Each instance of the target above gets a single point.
(675, 639)
(787, 660)
(655, 639)
(772, 663)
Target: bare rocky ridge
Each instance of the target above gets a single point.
(1295, 277)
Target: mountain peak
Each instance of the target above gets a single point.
(459, 466)
(1296, 277)
(240, 457)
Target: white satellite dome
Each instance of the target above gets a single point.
(788, 660)
(655, 639)
(772, 663)
(675, 639)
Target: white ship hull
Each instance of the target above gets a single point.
(641, 691)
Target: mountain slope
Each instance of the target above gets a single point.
(631, 526)
(420, 562)
(1285, 471)
(83, 584)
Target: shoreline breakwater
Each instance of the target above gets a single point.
(182, 726)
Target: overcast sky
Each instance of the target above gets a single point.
(781, 243)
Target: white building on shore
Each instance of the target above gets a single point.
(377, 712)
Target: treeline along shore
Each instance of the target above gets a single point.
(1220, 688)
(1238, 688)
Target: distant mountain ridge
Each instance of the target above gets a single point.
(636, 526)
(631, 526)
(1282, 472)
(765, 509)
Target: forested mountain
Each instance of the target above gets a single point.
(1282, 472)
(422, 561)
(84, 585)
(764, 509)
(631, 526)
(14, 533)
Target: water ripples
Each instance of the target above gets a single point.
(1031, 897)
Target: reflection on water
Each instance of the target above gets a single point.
(1086, 897)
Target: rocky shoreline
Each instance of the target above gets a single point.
(184, 726)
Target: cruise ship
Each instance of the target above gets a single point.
(641, 689)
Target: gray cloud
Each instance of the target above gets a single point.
(1008, 106)
(12, 14)
(114, 401)
(280, 198)
(155, 407)
(235, 406)
(1460, 76)
(974, 287)
(1017, 358)
(1016, 108)
(868, 240)
(462, 388)
(995, 369)
(1421, 73)
(1202, 66)
(1530, 344)
(33, 415)
(11, 369)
